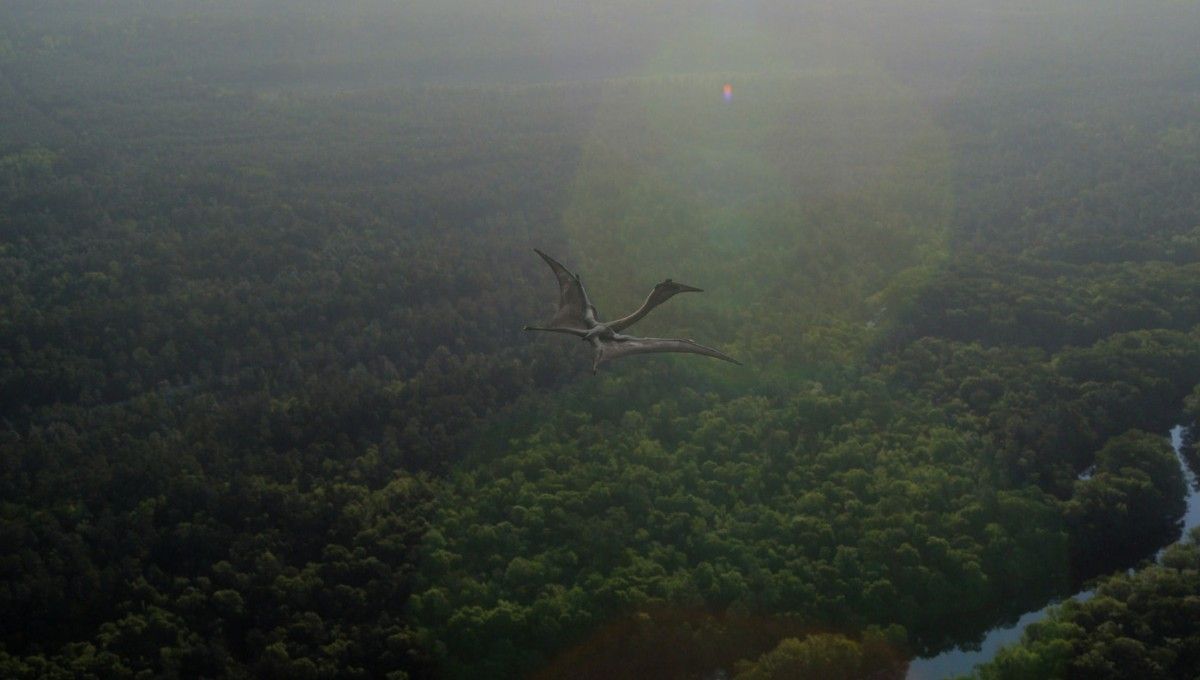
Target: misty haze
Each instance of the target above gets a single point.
(915, 400)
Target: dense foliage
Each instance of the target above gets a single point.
(823, 656)
(266, 410)
(1136, 625)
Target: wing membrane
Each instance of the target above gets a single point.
(609, 350)
(575, 311)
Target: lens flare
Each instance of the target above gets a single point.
(728, 92)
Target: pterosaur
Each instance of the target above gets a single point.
(576, 315)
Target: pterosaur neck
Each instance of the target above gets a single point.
(625, 322)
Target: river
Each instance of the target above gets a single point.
(957, 662)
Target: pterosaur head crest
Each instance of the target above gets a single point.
(669, 288)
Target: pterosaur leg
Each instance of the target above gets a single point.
(598, 358)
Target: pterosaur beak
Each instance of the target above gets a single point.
(683, 288)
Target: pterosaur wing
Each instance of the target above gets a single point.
(575, 311)
(610, 349)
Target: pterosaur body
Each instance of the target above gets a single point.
(576, 315)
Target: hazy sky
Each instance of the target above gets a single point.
(924, 41)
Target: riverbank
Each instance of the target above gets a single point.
(959, 662)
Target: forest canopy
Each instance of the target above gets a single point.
(266, 409)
